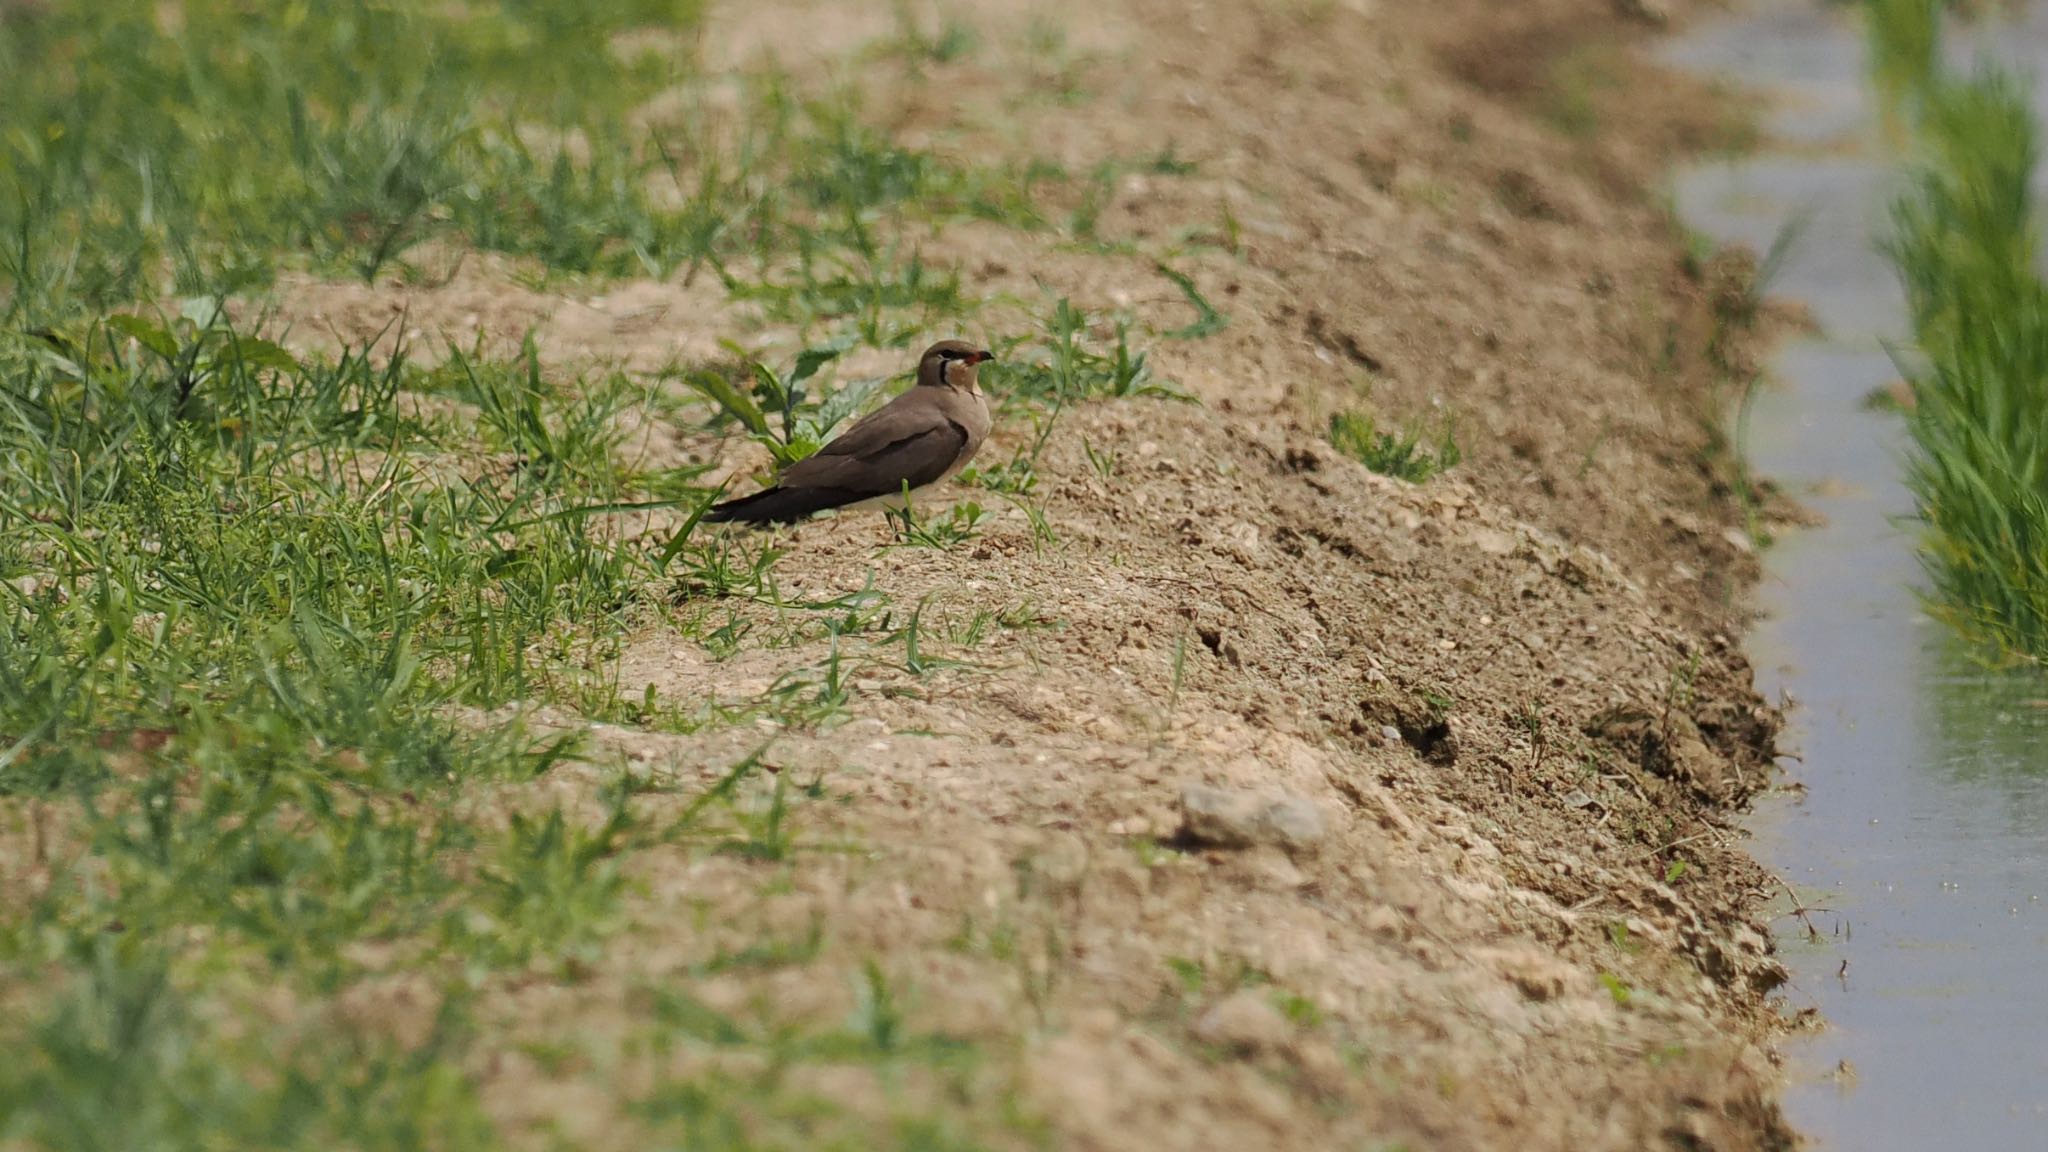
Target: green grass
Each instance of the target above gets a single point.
(149, 151)
(779, 410)
(1401, 454)
(181, 148)
(245, 593)
(246, 599)
(1577, 82)
(127, 1060)
(1905, 43)
(760, 1104)
(276, 630)
(1964, 243)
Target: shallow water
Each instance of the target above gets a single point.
(1923, 830)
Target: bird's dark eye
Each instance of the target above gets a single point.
(949, 354)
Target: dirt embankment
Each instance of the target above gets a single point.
(1325, 810)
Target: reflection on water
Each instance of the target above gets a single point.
(1991, 730)
(1923, 830)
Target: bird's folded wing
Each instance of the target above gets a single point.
(915, 411)
(877, 457)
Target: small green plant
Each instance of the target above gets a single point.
(1060, 368)
(952, 40)
(1301, 1011)
(544, 429)
(553, 890)
(1016, 476)
(721, 566)
(1102, 460)
(1191, 976)
(126, 1055)
(1617, 989)
(378, 128)
(767, 834)
(1619, 935)
(1578, 81)
(1401, 455)
(811, 698)
(958, 525)
(1905, 44)
(1149, 852)
(804, 423)
(1593, 449)
(879, 1036)
(1208, 321)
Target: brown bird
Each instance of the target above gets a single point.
(921, 437)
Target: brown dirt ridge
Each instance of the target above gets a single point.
(1302, 807)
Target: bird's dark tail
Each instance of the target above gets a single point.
(779, 505)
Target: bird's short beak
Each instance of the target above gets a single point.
(983, 357)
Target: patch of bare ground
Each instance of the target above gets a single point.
(1273, 803)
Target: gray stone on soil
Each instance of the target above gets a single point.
(1294, 822)
(1222, 818)
(1244, 1022)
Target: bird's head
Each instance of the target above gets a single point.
(952, 364)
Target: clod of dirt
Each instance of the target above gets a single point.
(1669, 746)
(1656, 13)
(1301, 458)
(1245, 1023)
(1537, 976)
(1337, 339)
(1218, 818)
(1422, 725)
(1742, 731)
(1219, 643)
(1743, 958)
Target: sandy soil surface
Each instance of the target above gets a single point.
(1295, 806)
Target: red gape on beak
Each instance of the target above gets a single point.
(982, 357)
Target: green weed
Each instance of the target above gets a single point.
(125, 1058)
(202, 142)
(806, 422)
(1208, 321)
(254, 590)
(552, 891)
(959, 525)
(724, 1105)
(1104, 461)
(1398, 454)
(1578, 81)
(950, 41)
(274, 626)
(1617, 989)
(1060, 367)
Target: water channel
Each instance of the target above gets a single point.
(1922, 828)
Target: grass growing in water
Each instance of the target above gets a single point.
(1964, 242)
